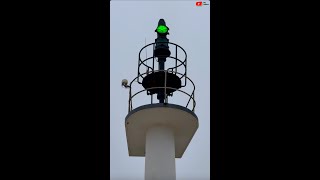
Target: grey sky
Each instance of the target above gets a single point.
(130, 23)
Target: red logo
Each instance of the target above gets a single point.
(199, 3)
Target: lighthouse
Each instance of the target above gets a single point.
(159, 130)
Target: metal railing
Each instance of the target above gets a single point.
(191, 96)
(183, 63)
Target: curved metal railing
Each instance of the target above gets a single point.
(174, 69)
(191, 96)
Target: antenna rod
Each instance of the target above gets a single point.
(145, 43)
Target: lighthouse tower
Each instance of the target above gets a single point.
(161, 131)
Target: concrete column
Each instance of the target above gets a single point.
(160, 154)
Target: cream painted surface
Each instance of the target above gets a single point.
(183, 124)
(160, 154)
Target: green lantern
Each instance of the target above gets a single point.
(162, 42)
(162, 29)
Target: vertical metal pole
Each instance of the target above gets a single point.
(176, 57)
(194, 99)
(185, 78)
(129, 106)
(153, 59)
(165, 86)
(145, 43)
(138, 68)
(161, 63)
(161, 94)
(129, 99)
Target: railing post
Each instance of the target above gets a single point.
(194, 101)
(129, 99)
(138, 67)
(176, 57)
(153, 58)
(165, 87)
(192, 95)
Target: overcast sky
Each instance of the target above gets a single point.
(131, 23)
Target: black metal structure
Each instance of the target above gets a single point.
(162, 81)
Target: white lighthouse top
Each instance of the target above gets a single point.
(183, 122)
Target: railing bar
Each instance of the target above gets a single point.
(140, 62)
(165, 87)
(153, 58)
(138, 68)
(144, 47)
(189, 101)
(182, 63)
(163, 70)
(185, 79)
(129, 106)
(158, 88)
(130, 98)
(176, 58)
(154, 46)
(194, 102)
